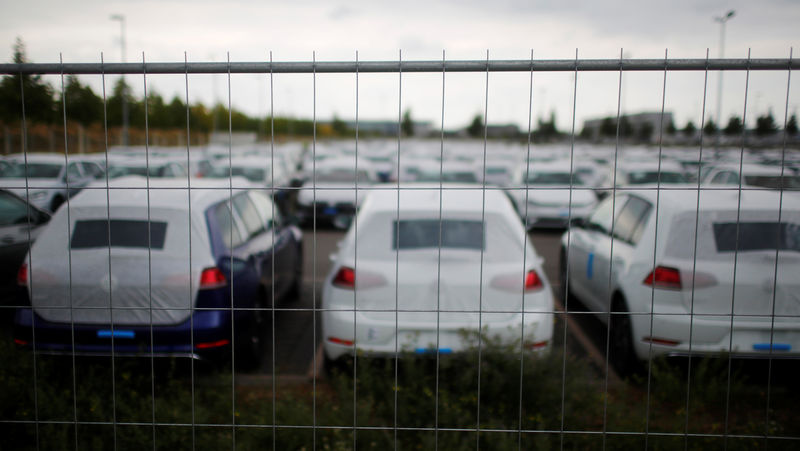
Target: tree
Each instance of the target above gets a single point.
(339, 126)
(791, 126)
(608, 127)
(670, 128)
(765, 125)
(690, 129)
(39, 104)
(547, 129)
(734, 126)
(82, 104)
(475, 128)
(407, 126)
(625, 127)
(710, 128)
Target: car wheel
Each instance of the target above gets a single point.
(623, 355)
(563, 270)
(250, 338)
(297, 283)
(57, 201)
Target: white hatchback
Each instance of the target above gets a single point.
(419, 268)
(678, 275)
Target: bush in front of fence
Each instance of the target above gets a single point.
(525, 400)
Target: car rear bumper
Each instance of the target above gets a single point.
(750, 337)
(205, 334)
(379, 339)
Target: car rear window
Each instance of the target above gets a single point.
(773, 181)
(425, 233)
(756, 236)
(647, 177)
(94, 233)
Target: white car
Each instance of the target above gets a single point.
(669, 293)
(547, 195)
(760, 175)
(46, 180)
(415, 277)
(329, 194)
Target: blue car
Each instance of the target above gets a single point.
(161, 270)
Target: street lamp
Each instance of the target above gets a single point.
(722, 20)
(121, 19)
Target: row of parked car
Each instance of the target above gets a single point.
(142, 262)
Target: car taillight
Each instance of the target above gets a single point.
(212, 278)
(22, 275)
(511, 282)
(532, 281)
(345, 278)
(664, 277)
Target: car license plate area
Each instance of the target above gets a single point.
(108, 333)
(329, 211)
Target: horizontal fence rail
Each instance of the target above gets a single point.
(580, 65)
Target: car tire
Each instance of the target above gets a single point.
(623, 355)
(297, 284)
(251, 338)
(566, 292)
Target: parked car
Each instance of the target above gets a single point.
(422, 275)
(48, 180)
(633, 173)
(126, 265)
(329, 195)
(153, 166)
(750, 174)
(675, 279)
(547, 195)
(20, 224)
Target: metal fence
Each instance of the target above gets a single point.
(554, 425)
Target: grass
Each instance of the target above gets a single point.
(165, 406)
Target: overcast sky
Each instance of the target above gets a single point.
(508, 29)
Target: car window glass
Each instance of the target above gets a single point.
(73, 172)
(95, 233)
(602, 217)
(430, 233)
(756, 236)
(227, 229)
(266, 208)
(248, 214)
(629, 218)
(12, 210)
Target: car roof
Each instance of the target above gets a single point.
(164, 193)
(425, 198)
(752, 168)
(682, 198)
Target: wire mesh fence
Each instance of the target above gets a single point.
(403, 291)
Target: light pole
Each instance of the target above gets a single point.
(722, 20)
(121, 19)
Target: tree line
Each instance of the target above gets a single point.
(45, 105)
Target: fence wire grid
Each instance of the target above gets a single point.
(227, 386)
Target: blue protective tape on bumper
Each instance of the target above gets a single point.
(107, 333)
(433, 351)
(775, 347)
